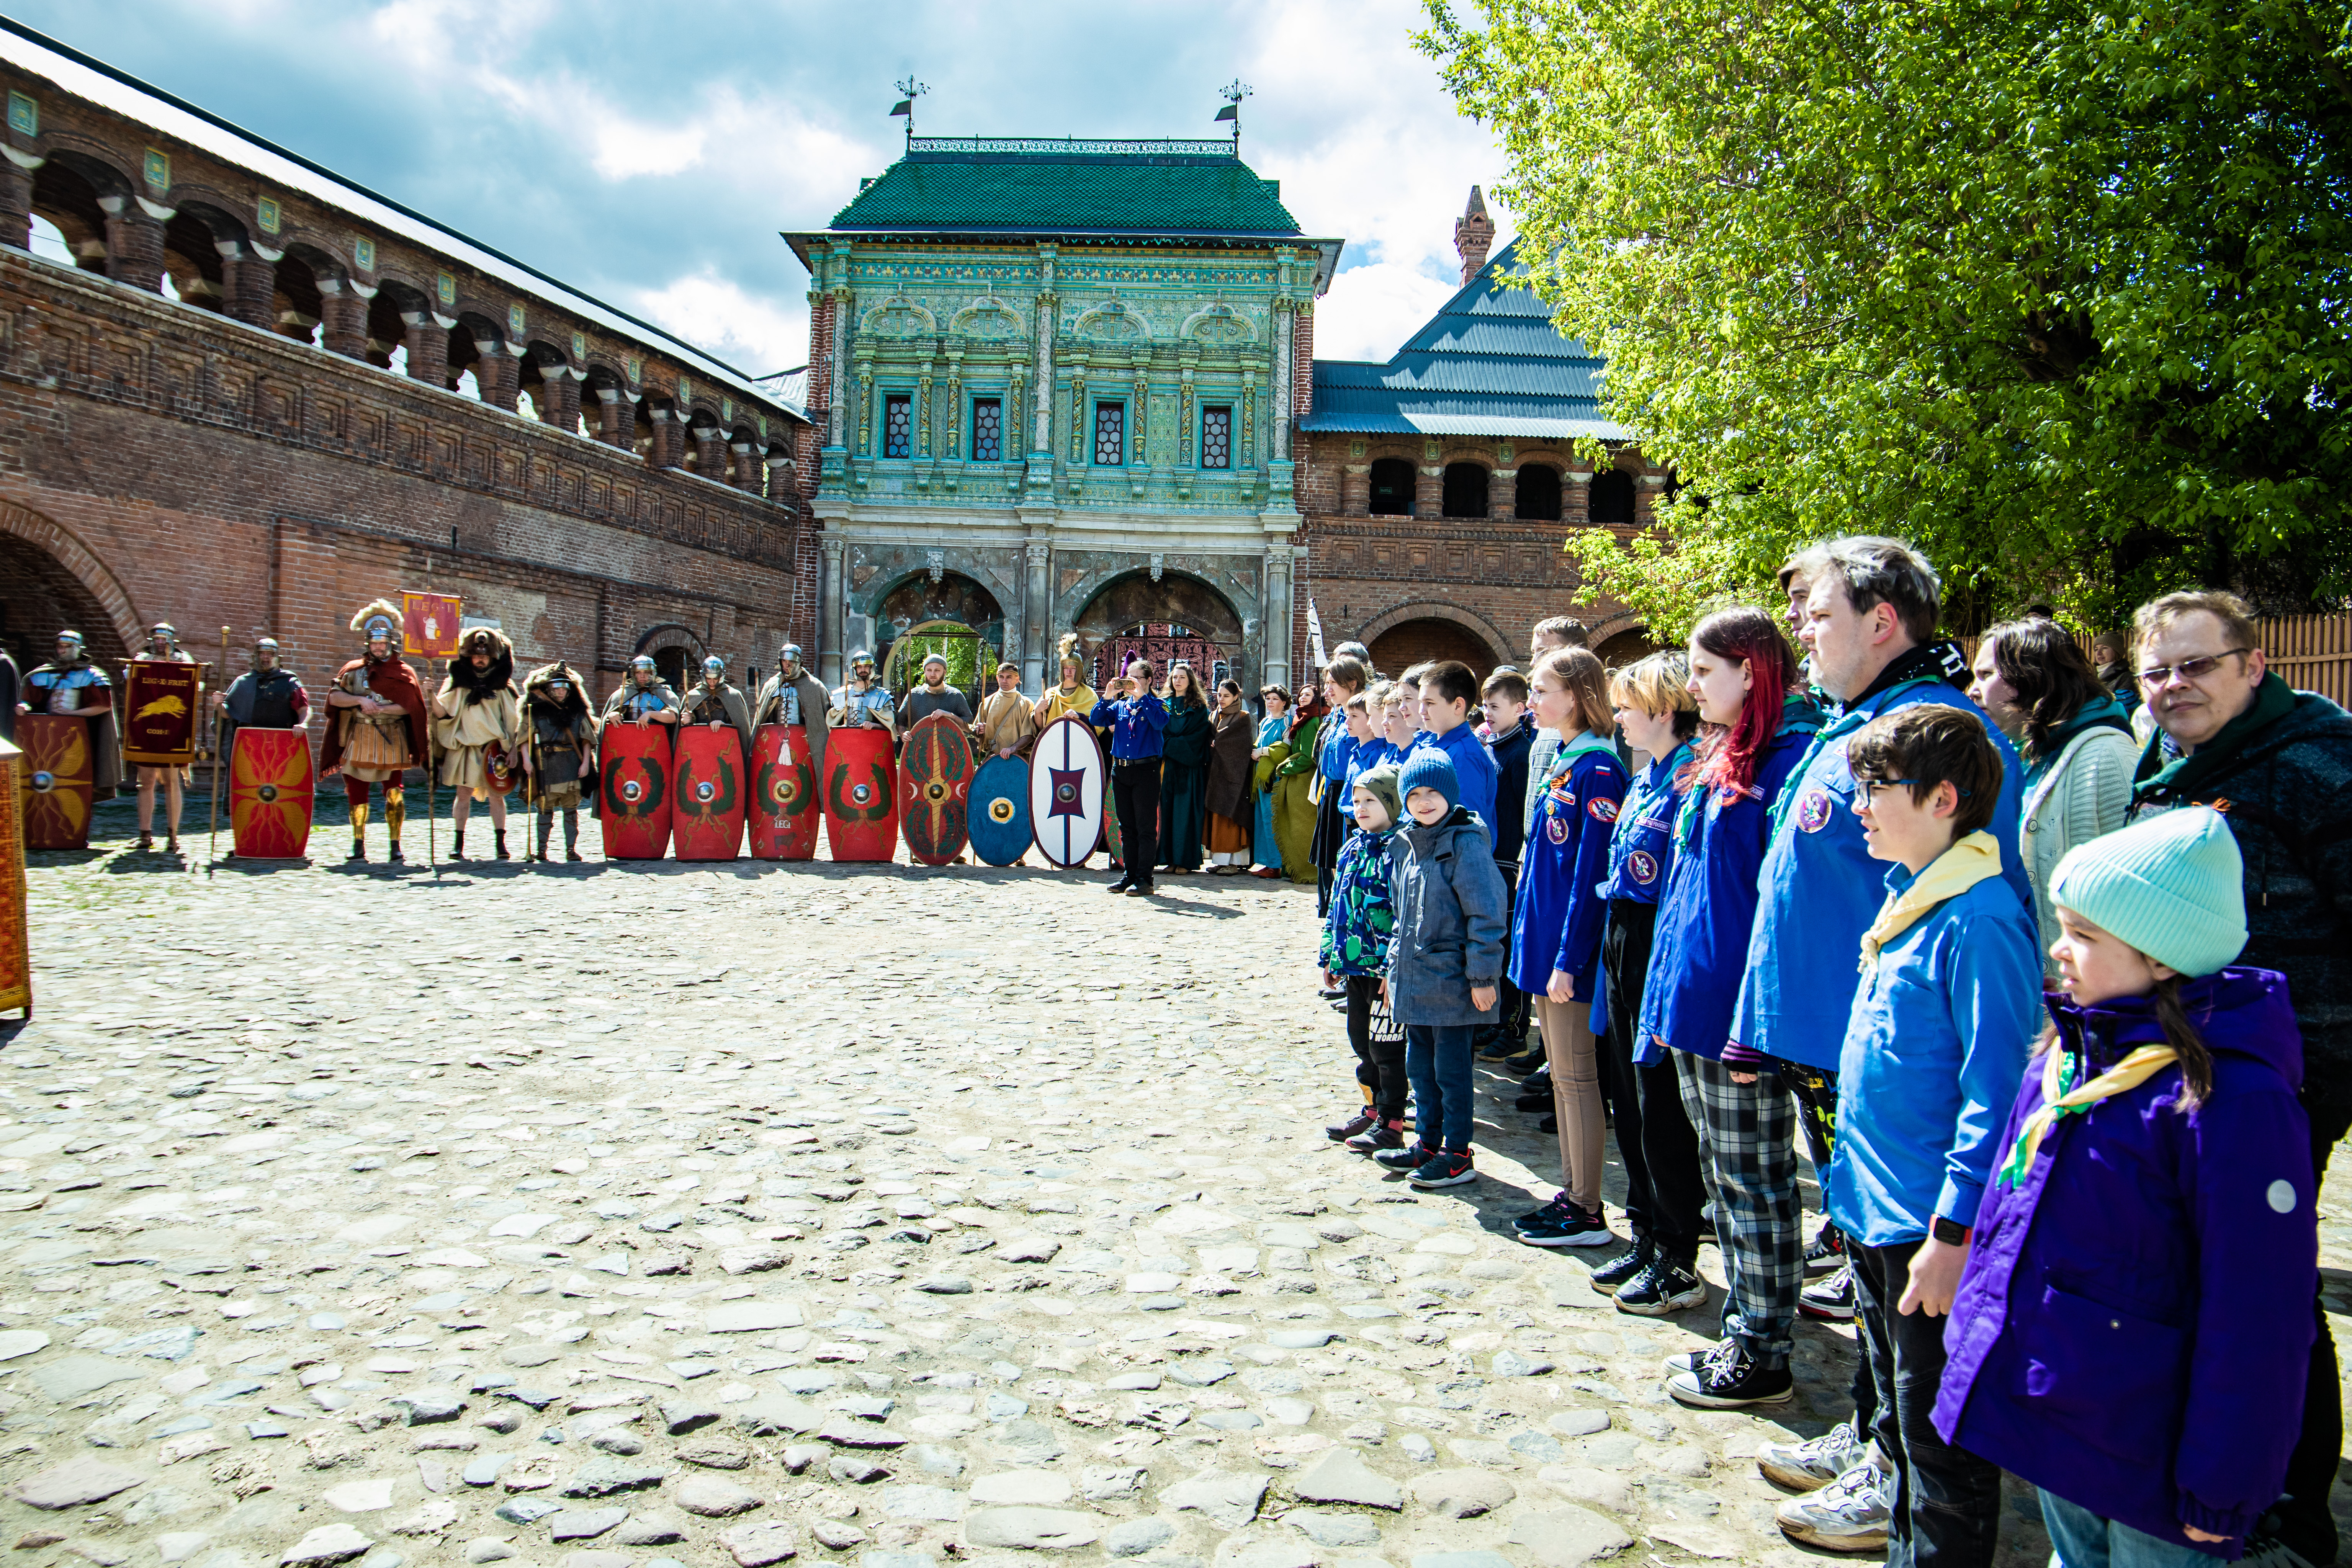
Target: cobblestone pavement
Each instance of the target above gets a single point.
(599, 1215)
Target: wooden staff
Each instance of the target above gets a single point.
(212, 851)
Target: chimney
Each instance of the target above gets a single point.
(1473, 234)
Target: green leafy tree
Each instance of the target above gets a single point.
(2056, 289)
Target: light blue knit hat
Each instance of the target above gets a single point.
(2173, 886)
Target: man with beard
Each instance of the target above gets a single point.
(793, 696)
(378, 732)
(71, 682)
(164, 645)
(477, 724)
(934, 696)
(862, 701)
(266, 697)
(643, 696)
(560, 751)
(712, 701)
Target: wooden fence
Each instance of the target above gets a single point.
(2310, 652)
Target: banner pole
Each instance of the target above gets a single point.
(212, 851)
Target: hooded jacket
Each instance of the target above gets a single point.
(1450, 906)
(1556, 919)
(2281, 776)
(1357, 932)
(2134, 1328)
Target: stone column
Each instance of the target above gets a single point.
(134, 242)
(709, 452)
(1576, 501)
(17, 198)
(497, 372)
(1281, 432)
(1042, 426)
(427, 343)
(1503, 491)
(833, 611)
(559, 402)
(779, 482)
(744, 474)
(1277, 614)
(666, 438)
(613, 408)
(250, 285)
(343, 315)
(841, 301)
(1039, 619)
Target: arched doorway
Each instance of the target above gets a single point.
(1621, 648)
(1409, 643)
(955, 616)
(1175, 617)
(48, 582)
(676, 653)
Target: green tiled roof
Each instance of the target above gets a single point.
(1063, 191)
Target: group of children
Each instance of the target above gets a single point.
(2082, 1226)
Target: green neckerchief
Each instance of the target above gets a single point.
(2099, 714)
(2273, 700)
(1845, 724)
(1798, 717)
(1586, 741)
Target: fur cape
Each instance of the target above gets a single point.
(575, 701)
(481, 686)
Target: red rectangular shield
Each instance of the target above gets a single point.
(160, 698)
(430, 627)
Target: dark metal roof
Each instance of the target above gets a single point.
(1490, 363)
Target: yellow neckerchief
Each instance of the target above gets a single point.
(2127, 1074)
(1954, 872)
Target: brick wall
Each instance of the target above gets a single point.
(179, 466)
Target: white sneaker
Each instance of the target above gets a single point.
(1850, 1514)
(1810, 1466)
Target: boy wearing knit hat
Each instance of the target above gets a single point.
(1445, 964)
(1355, 935)
(1936, 1041)
(2133, 1333)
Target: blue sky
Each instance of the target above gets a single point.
(648, 154)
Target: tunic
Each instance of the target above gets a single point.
(923, 702)
(562, 746)
(1228, 791)
(1058, 702)
(1294, 802)
(1263, 849)
(802, 702)
(1184, 784)
(377, 748)
(1004, 723)
(478, 739)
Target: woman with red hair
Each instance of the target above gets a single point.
(1756, 722)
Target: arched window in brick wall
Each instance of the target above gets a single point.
(70, 203)
(1465, 490)
(1391, 488)
(1613, 497)
(1539, 493)
(192, 263)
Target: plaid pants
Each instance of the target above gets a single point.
(1747, 1140)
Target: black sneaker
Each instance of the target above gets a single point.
(1446, 1170)
(1388, 1134)
(1727, 1378)
(1609, 1275)
(1828, 1250)
(1549, 1123)
(1122, 885)
(1361, 1121)
(1405, 1158)
(1526, 1061)
(1661, 1291)
(1829, 1299)
(1497, 1047)
(1565, 1225)
(1537, 1081)
(1543, 1212)
(1533, 1101)
(1331, 992)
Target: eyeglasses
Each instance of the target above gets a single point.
(1863, 789)
(2190, 670)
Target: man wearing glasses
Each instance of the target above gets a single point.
(2277, 764)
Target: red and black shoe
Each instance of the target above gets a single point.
(1363, 1120)
(1387, 1132)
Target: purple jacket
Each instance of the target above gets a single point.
(2134, 1328)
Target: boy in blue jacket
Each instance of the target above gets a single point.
(1935, 1046)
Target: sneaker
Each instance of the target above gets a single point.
(1829, 1299)
(1728, 1379)
(1566, 1225)
(1549, 1123)
(1122, 885)
(1688, 1361)
(1537, 1082)
(1828, 1250)
(1608, 1276)
(1405, 1158)
(1534, 1101)
(1332, 993)
(1661, 1291)
(1388, 1134)
(1448, 1169)
(1850, 1514)
(1359, 1122)
(1497, 1047)
(1526, 1061)
(1810, 1466)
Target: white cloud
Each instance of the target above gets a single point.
(757, 334)
(625, 150)
(1370, 309)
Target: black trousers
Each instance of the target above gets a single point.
(1946, 1500)
(1664, 1187)
(1380, 1064)
(2305, 1523)
(1511, 1016)
(1135, 790)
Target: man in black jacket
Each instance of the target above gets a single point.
(2277, 764)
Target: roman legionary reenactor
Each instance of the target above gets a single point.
(477, 731)
(794, 696)
(266, 697)
(1073, 695)
(560, 755)
(377, 732)
(643, 696)
(162, 643)
(862, 702)
(71, 682)
(712, 701)
(1005, 727)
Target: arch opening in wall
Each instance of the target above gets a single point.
(50, 582)
(676, 652)
(192, 263)
(1539, 495)
(917, 615)
(1391, 494)
(1465, 490)
(1613, 497)
(1622, 647)
(1178, 616)
(70, 203)
(1422, 640)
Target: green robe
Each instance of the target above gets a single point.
(1294, 802)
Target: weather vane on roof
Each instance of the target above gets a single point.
(1232, 92)
(911, 90)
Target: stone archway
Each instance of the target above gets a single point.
(1412, 633)
(50, 580)
(1178, 616)
(676, 652)
(917, 601)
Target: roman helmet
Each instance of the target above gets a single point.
(169, 633)
(645, 669)
(714, 668)
(379, 623)
(265, 653)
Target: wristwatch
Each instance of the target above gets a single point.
(1951, 1231)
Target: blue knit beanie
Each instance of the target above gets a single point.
(2173, 886)
(1430, 769)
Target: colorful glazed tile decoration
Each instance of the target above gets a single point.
(24, 115)
(158, 169)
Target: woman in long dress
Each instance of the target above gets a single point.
(1184, 770)
(1229, 783)
(1270, 751)
(1294, 788)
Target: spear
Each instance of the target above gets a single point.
(220, 721)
